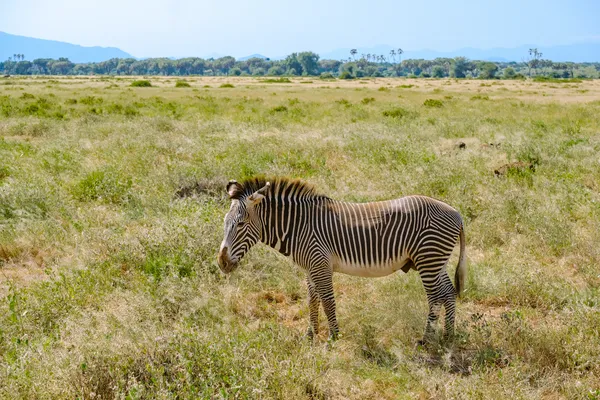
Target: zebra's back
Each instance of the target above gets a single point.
(379, 238)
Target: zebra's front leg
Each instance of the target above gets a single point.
(313, 309)
(323, 280)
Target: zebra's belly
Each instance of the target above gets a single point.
(368, 271)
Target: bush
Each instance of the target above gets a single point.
(368, 100)
(141, 83)
(326, 75)
(105, 185)
(346, 75)
(235, 71)
(182, 84)
(277, 80)
(555, 80)
(279, 109)
(509, 73)
(227, 85)
(433, 103)
(395, 113)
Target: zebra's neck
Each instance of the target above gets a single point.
(287, 221)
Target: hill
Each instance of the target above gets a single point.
(40, 48)
(253, 56)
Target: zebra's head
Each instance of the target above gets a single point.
(242, 224)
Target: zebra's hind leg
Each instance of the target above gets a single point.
(313, 308)
(449, 303)
(430, 276)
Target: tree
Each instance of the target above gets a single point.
(223, 64)
(329, 65)
(291, 64)
(509, 73)
(309, 62)
(488, 70)
(275, 70)
(353, 53)
(534, 60)
(393, 55)
(459, 67)
(438, 71)
(400, 51)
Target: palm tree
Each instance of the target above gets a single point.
(400, 51)
(393, 55)
(353, 53)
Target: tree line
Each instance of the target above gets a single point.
(308, 63)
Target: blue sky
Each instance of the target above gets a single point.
(241, 27)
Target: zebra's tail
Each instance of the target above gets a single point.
(461, 269)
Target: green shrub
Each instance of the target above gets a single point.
(276, 80)
(182, 84)
(91, 100)
(4, 172)
(104, 185)
(346, 75)
(227, 85)
(326, 75)
(368, 100)
(556, 80)
(26, 96)
(433, 103)
(383, 89)
(279, 109)
(141, 83)
(395, 113)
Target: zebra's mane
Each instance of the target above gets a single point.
(278, 185)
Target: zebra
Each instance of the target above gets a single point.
(323, 236)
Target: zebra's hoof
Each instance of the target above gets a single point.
(310, 335)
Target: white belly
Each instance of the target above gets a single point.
(368, 271)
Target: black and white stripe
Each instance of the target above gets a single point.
(364, 239)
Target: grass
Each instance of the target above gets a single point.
(141, 83)
(180, 84)
(111, 208)
(277, 80)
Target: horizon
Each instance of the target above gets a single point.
(188, 29)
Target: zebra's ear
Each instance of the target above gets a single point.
(233, 187)
(257, 196)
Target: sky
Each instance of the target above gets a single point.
(179, 28)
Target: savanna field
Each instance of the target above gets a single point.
(112, 200)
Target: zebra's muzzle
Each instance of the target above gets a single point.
(226, 264)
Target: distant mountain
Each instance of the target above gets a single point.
(580, 52)
(253, 56)
(41, 48)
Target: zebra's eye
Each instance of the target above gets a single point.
(240, 223)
